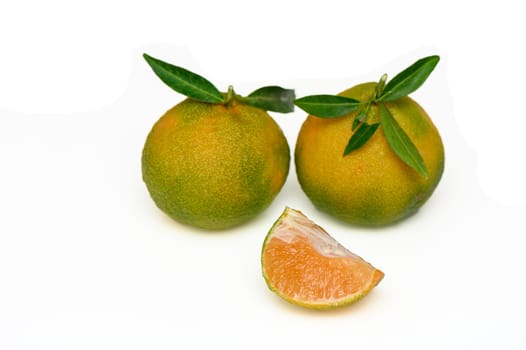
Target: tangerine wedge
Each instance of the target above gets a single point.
(304, 265)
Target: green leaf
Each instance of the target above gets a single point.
(409, 79)
(400, 142)
(184, 81)
(360, 137)
(271, 98)
(327, 106)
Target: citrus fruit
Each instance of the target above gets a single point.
(304, 265)
(371, 185)
(214, 165)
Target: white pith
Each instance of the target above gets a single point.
(295, 224)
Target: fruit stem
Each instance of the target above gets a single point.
(380, 86)
(229, 95)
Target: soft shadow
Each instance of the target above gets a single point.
(356, 307)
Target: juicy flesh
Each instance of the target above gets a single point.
(304, 263)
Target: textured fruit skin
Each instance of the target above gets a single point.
(371, 186)
(214, 166)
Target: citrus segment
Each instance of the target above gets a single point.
(304, 265)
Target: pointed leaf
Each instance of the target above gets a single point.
(409, 79)
(327, 106)
(272, 98)
(400, 142)
(360, 137)
(184, 81)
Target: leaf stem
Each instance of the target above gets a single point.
(362, 115)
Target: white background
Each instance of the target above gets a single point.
(88, 262)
